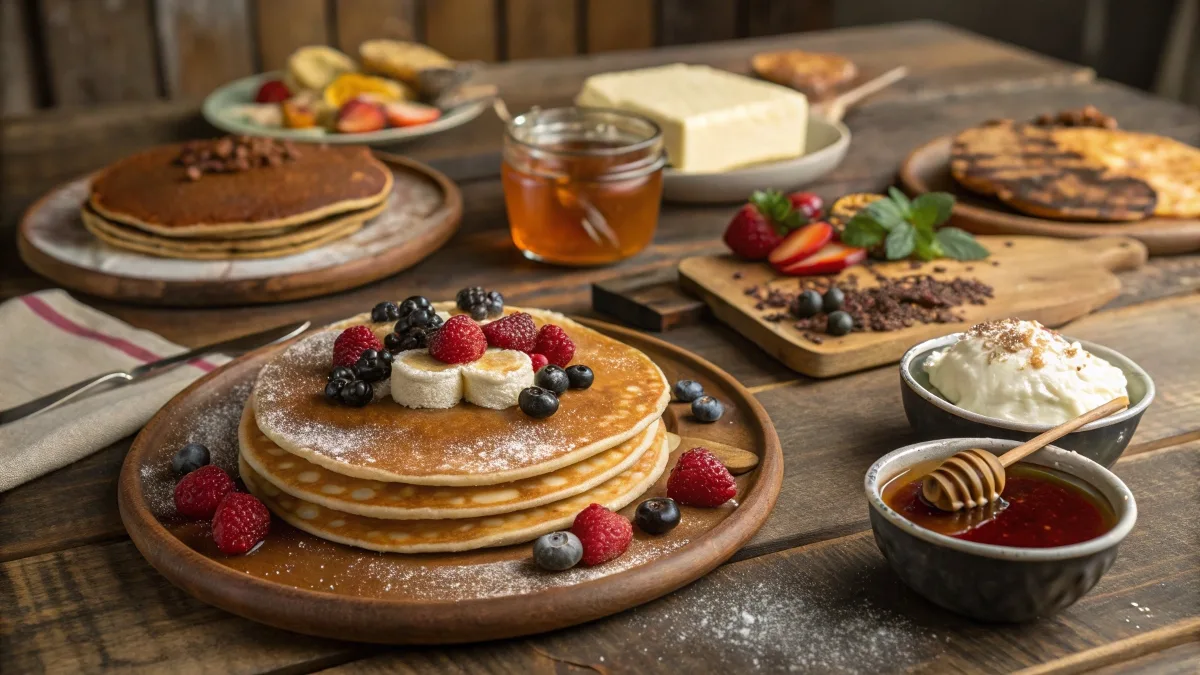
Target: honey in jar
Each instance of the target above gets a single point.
(582, 185)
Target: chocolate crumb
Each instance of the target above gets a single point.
(939, 269)
(995, 263)
(970, 268)
(737, 275)
(915, 264)
(1008, 244)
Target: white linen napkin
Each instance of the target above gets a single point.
(48, 341)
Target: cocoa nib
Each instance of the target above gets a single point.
(233, 154)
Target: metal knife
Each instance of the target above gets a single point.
(119, 378)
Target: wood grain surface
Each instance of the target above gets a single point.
(84, 600)
(100, 52)
(283, 26)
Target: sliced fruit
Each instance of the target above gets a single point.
(410, 114)
(800, 244)
(357, 117)
(350, 86)
(833, 257)
(314, 67)
(272, 91)
(297, 115)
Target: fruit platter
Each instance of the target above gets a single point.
(393, 92)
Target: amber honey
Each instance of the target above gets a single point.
(582, 186)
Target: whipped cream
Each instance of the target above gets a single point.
(1021, 371)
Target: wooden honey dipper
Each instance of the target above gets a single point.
(975, 477)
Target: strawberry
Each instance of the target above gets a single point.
(807, 203)
(605, 535)
(554, 343)
(761, 224)
(833, 257)
(358, 116)
(272, 91)
(539, 361)
(198, 493)
(352, 343)
(800, 244)
(459, 340)
(515, 331)
(410, 114)
(700, 479)
(240, 523)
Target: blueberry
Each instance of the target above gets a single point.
(840, 323)
(356, 394)
(368, 354)
(478, 312)
(707, 409)
(580, 376)
(408, 306)
(419, 301)
(657, 516)
(468, 297)
(435, 322)
(833, 299)
(393, 342)
(557, 551)
(688, 390)
(189, 458)
(494, 308)
(537, 402)
(385, 311)
(494, 296)
(402, 326)
(553, 378)
(411, 341)
(807, 304)
(333, 388)
(373, 368)
(419, 318)
(341, 373)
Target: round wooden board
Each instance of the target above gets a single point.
(423, 212)
(927, 169)
(301, 583)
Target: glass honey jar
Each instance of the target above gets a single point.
(582, 185)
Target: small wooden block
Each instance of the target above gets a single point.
(651, 301)
(738, 461)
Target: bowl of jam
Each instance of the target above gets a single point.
(1044, 545)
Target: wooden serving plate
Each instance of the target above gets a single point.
(422, 214)
(1050, 280)
(927, 169)
(301, 583)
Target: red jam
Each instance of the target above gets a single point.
(1039, 508)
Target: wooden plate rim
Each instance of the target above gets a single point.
(448, 621)
(1161, 235)
(294, 286)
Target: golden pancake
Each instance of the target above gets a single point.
(288, 243)
(401, 501)
(815, 74)
(466, 444)
(427, 536)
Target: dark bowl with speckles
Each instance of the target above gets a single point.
(1102, 441)
(984, 581)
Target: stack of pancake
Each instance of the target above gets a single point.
(390, 478)
(153, 203)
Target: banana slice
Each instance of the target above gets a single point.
(497, 378)
(421, 381)
(314, 67)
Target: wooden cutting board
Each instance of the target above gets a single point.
(1050, 280)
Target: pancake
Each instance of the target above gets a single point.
(401, 501)
(427, 536)
(150, 191)
(466, 444)
(814, 74)
(294, 241)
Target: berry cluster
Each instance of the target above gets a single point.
(705, 408)
(550, 382)
(416, 322)
(479, 303)
(352, 386)
(239, 521)
(810, 303)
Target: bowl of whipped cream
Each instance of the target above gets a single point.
(1014, 379)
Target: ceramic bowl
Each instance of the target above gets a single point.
(1102, 441)
(987, 582)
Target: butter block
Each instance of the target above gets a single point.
(712, 120)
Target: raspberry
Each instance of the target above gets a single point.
(539, 361)
(460, 340)
(700, 479)
(515, 331)
(240, 523)
(555, 344)
(199, 493)
(351, 343)
(605, 535)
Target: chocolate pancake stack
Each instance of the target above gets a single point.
(235, 197)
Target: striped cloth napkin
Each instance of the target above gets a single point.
(51, 341)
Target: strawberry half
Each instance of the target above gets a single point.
(410, 114)
(758, 227)
(833, 257)
(800, 244)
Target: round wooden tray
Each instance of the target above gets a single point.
(927, 169)
(302, 583)
(423, 212)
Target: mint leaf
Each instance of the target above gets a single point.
(863, 232)
(901, 200)
(901, 241)
(924, 215)
(885, 212)
(960, 245)
(935, 205)
(777, 209)
(927, 246)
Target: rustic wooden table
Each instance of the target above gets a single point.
(811, 591)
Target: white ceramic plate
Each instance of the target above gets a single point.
(217, 109)
(827, 146)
